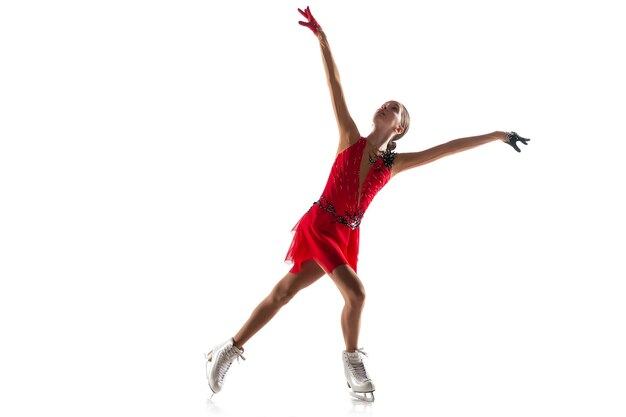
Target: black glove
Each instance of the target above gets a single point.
(514, 138)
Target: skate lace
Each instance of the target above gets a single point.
(358, 368)
(231, 354)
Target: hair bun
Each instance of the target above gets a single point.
(391, 145)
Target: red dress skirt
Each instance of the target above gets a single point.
(329, 232)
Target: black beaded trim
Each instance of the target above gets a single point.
(351, 220)
(388, 158)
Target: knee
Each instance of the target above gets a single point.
(282, 295)
(356, 297)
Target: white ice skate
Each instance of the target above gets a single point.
(218, 362)
(360, 384)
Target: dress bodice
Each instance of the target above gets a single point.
(341, 196)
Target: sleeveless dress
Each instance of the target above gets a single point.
(328, 233)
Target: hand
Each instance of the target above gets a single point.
(312, 23)
(513, 138)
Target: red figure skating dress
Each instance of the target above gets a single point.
(329, 232)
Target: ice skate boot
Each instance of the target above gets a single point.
(218, 361)
(359, 382)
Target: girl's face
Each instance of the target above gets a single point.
(388, 115)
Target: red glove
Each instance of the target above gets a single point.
(312, 23)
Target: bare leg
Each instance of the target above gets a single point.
(353, 293)
(282, 293)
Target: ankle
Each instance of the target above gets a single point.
(238, 345)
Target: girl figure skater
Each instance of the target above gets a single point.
(326, 239)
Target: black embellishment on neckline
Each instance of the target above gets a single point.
(388, 158)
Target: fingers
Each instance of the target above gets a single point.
(513, 138)
(523, 140)
(311, 22)
(306, 13)
(514, 145)
(308, 25)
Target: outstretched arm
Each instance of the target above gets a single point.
(404, 161)
(348, 132)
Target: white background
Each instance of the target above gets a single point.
(154, 156)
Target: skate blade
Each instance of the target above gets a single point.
(211, 391)
(363, 396)
(209, 358)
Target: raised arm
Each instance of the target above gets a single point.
(404, 161)
(348, 132)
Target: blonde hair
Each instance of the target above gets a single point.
(405, 122)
